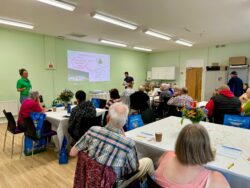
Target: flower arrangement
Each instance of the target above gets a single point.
(193, 113)
(66, 95)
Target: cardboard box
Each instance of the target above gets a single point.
(238, 60)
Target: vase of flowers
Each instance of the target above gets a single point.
(66, 96)
(193, 113)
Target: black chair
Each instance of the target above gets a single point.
(163, 108)
(31, 133)
(12, 128)
(148, 116)
(174, 111)
(77, 132)
(104, 121)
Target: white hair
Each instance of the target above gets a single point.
(33, 94)
(165, 86)
(142, 88)
(118, 114)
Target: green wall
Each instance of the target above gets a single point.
(20, 49)
(209, 55)
(33, 51)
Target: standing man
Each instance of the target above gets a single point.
(235, 84)
(127, 79)
(23, 85)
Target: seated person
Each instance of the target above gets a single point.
(180, 97)
(109, 146)
(152, 91)
(31, 104)
(84, 109)
(184, 167)
(114, 97)
(224, 103)
(245, 101)
(165, 93)
(139, 100)
(126, 94)
(246, 108)
(245, 96)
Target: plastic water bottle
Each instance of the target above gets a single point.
(69, 108)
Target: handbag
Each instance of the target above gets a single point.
(38, 119)
(63, 155)
(133, 122)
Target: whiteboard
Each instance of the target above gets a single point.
(214, 79)
(163, 73)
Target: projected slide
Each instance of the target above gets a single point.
(88, 66)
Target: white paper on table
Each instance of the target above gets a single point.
(228, 151)
(145, 135)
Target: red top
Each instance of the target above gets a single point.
(28, 106)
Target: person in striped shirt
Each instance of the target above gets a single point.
(114, 97)
(109, 146)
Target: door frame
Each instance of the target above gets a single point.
(197, 63)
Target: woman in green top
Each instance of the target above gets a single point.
(23, 85)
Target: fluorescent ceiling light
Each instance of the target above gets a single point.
(142, 49)
(158, 35)
(183, 42)
(16, 24)
(59, 4)
(113, 43)
(114, 21)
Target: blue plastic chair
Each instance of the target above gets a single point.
(237, 121)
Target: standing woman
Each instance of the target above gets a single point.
(23, 85)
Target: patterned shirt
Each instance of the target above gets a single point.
(82, 110)
(109, 147)
(180, 101)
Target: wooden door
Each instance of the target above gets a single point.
(194, 82)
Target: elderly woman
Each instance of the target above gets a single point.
(31, 104)
(184, 167)
(165, 93)
(23, 85)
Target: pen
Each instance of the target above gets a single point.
(147, 134)
(230, 166)
(141, 136)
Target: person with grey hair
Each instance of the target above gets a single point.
(165, 94)
(110, 147)
(180, 98)
(31, 104)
